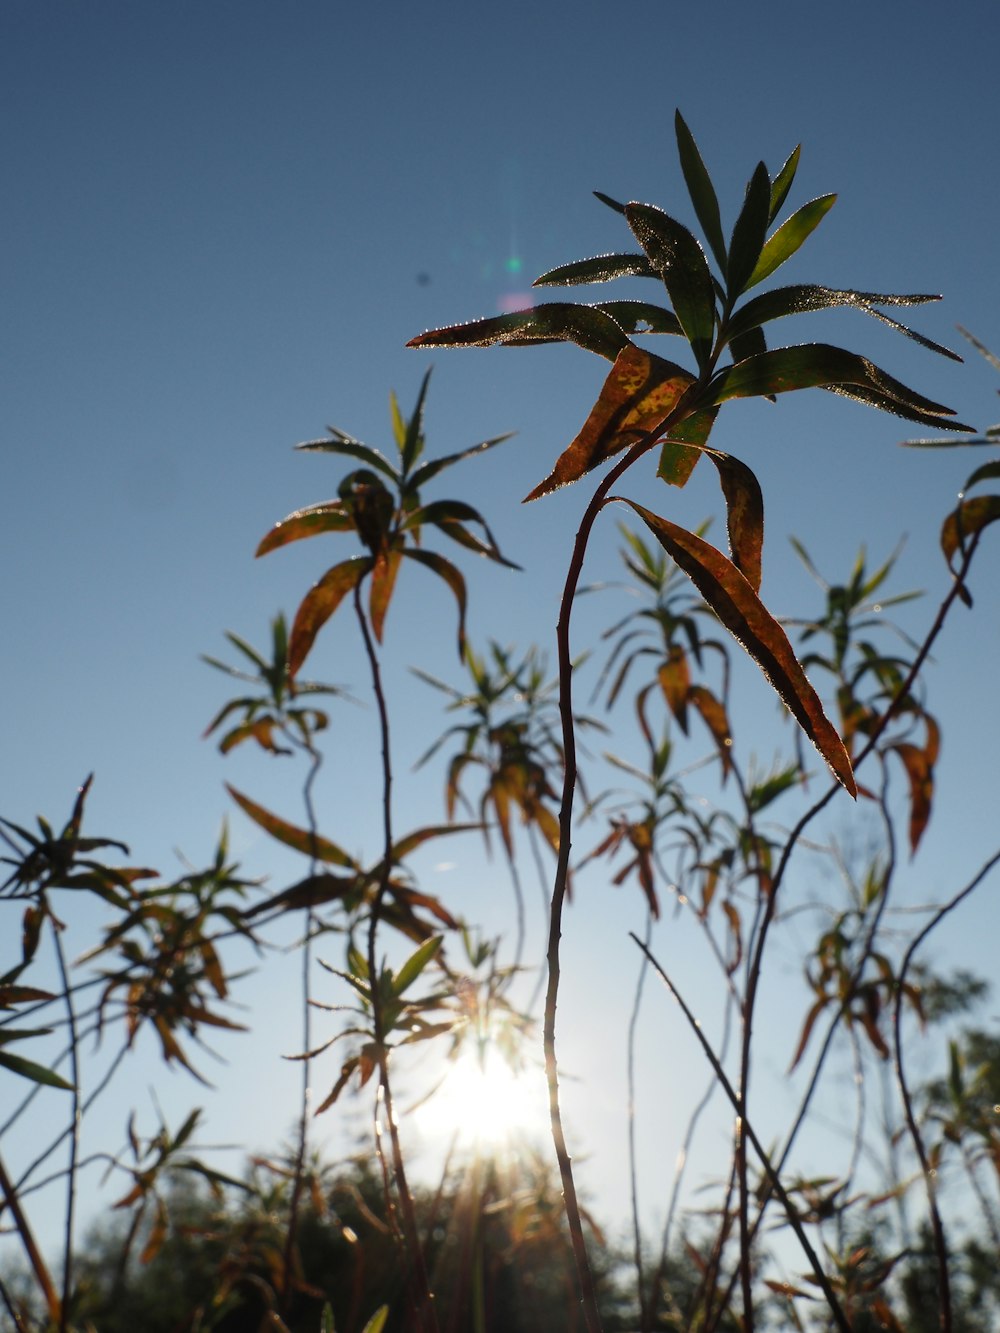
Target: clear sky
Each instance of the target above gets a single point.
(222, 222)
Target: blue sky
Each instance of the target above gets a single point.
(223, 221)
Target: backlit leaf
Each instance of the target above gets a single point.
(680, 261)
(783, 181)
(602, 268)
(447, 571)
(967, 521)
(386, 567)
(309, 844)
(714, 716)
(749, 233)
(413, 440)
(677, 457)
(584, 325)
(701, 190)
(739, 608)
(415, 964)
(449, 516)
(642, 317)
(920, 774)
(821, 365)
(426, 471)
(744, 514)
(319, 604)
(339, 443)
(790, 236)
(639, 394)
(988, 472)
(35, 1072)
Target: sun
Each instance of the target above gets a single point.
(486, 1103)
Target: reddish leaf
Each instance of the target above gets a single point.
(383, 581)
(674, 676)
(920, 772)
(966, 521)
(714, 716)
(319, 604)
(739, 608)
(639, 395)
(330, 516)
(309, 844)
(744, 514)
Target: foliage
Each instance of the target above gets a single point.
(414, 987)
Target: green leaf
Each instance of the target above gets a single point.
(677, 458)
(36, 1073)
(302, 840)
(351, 448)
(821, 365)
(398, 421)
(449, 515)
(447, 571)
(584, 325)
(988, 472)
(749, 233)
(319, 604)
(640, 393)
(415, 964)
(701, 190)
(744, 514)
(413, 441)
(330, 516)
(377, 1322)
(681, 263)
(739, 608)
(602, 268)
(797, 300)
(641, 317)
(790, 236)
(426, 471)
(783, 182)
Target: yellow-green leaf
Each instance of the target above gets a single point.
(309, 844)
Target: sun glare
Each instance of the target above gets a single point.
(488, 1104)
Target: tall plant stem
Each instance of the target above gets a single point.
(755, 964)
(425, 1311)
(74, 1137)
(38, 1266)
(302, 1147)
(937, 1226)
(588, 1295)
(791, 1212)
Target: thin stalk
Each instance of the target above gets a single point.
(588, 1295)
(425, 1310)
(937, 1226)
(38, 1266)
(302, 1148)
(12, 1309)
(74, 1137)
(632, 1152)
(791, 1211)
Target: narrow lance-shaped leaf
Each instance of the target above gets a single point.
(35, 1072)
(968, 520)
(821, 365)
(744, 514)
(426, 471)
(639, 394)
(680, 453)
(749, 233)
(412, 443)
(415, 964)
(384, 572)
(319, 604)
(584, 325)
(642, 317)
(739, 608)
(681, 263)
(445, 570)
(449, 516)
(330, 516)
(602, 268)
(701, 190)
(783, 181)
(339, 443)
(789, 237)
(302, 840)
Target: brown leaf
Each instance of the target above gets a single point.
(639, 394)
(714, 716)
(739, 608)
(920, 772)
(319, 604)
(744, 514)
(674, 676)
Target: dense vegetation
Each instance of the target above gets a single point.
(504, 1242)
